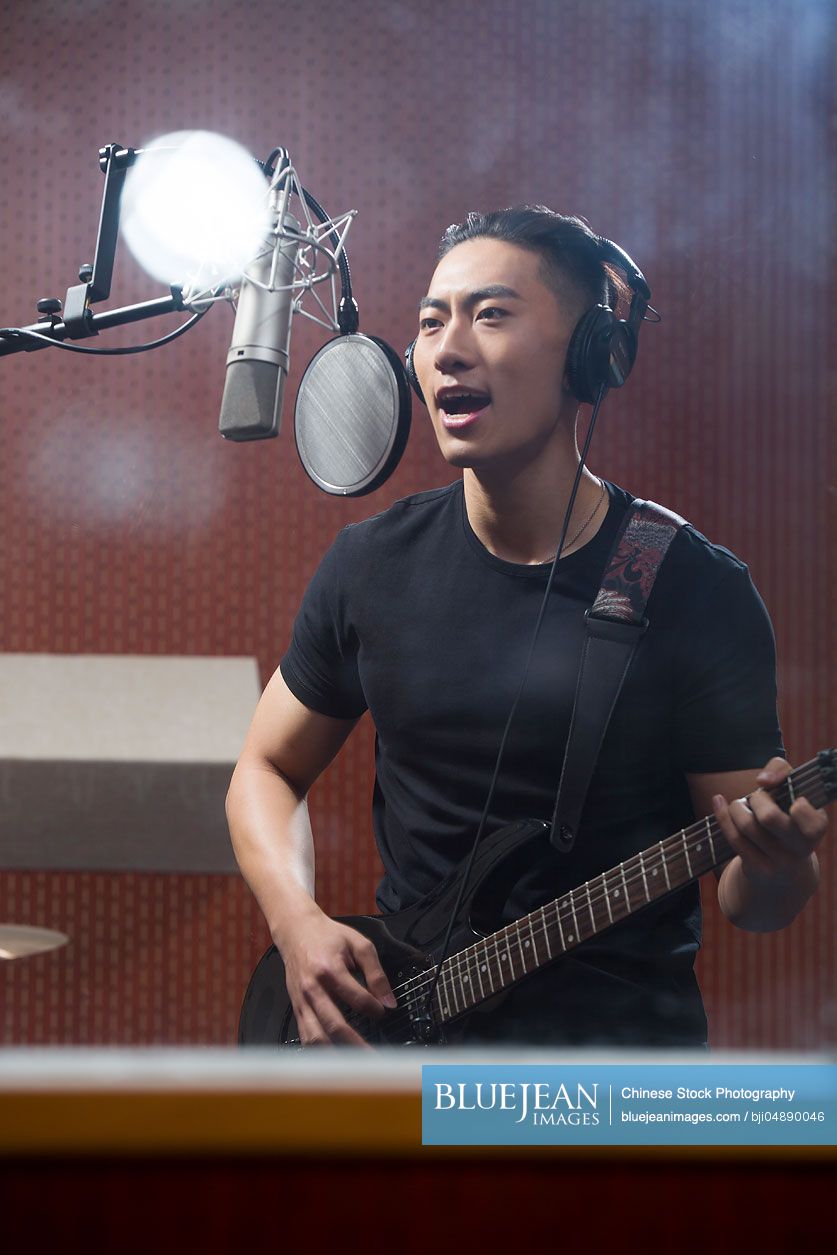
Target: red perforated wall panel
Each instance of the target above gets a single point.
(693, 134)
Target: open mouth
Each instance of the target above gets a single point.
(463, 403)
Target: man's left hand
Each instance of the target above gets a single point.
(774, 846)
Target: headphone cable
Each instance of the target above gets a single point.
(424, 1019)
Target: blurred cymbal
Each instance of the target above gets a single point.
(18, 940)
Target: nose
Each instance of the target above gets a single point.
(454, 349)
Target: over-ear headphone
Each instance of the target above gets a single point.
(603, 348)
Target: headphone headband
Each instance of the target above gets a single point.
(636, 279)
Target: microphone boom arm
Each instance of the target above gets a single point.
(322, 241)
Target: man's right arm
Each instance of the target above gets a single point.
(287, 747)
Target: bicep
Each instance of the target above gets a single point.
(724, 684)
(296, 741)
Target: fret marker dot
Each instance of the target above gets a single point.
(526, 943)
(482, 968)
(654, 872)
(466, 978)
(616, 893)
(571, 938)
(697, 847)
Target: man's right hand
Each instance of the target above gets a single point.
(322, 959)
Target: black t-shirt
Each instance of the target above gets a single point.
(410, 616)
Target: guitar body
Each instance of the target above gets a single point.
(408, 942)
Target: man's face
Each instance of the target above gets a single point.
(490, 330)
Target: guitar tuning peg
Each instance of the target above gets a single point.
(827, 760)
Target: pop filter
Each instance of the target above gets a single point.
(352, 415)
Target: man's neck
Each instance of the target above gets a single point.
(518, 513)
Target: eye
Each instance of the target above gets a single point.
(491, 312)
(427, 324)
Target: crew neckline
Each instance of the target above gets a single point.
(536, 570)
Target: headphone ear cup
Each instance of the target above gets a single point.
(411, 371)
(588, 354)
(602, 351)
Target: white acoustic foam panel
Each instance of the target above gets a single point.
(114, 762)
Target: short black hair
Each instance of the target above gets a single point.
(572, 265)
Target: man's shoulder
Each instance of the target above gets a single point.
(699, 558)
(693, 555)
(405, 518)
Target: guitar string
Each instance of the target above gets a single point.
(631, 875)
(637, 867)
(678, 842)
(460, 964)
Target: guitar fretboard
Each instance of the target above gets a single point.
(495, 962)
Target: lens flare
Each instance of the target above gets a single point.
(194, 203)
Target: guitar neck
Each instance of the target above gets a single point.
(493, 963)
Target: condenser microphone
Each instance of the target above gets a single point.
(257, 363)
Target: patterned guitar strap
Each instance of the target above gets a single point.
(615, 623)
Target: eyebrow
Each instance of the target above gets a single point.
(492, 291)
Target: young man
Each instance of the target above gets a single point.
(424, 615)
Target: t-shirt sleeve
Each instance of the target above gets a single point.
(320, 666)
(725, 681)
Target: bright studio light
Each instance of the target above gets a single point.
(195, 205)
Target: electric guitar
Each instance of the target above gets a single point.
(484, 966)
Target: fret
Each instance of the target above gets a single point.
(665, 864)
(453, 991)
(628, 907)
(469, 994)
(607, 898)
(708, 823)
(590, 908)
(560, 929)
(503, 972)
(520, 948)
(572, 936)
(644, 879)
(505, 963)
(475, 984)
(674, 854)
(441, 988)
(533, 939)
(456, 985)
(468, 988)
(498, 971)
(505, 957)
(546, 932)
(697, 850)
(509, 971)
(479, 973)
(419, 995)
(686, 852)
(486, 966)
(654, 870)
(614, 893)
(790, 788)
